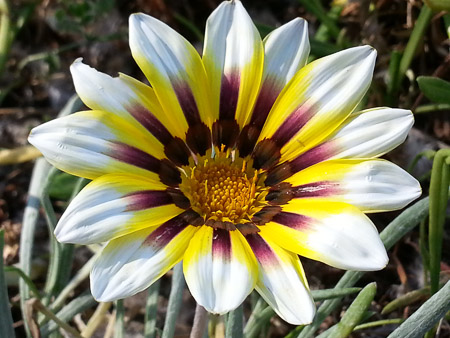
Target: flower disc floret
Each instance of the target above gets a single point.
(221, 189)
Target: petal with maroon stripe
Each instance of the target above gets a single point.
(115, 205)
(337, 234)
(220, 269)
(131, 263)
(93, 143)
(286, 50)
(177, 75)
(316, 101)
(282, 281)
(233, 57)
(371, 185)
(365, 134)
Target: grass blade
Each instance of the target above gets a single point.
(6, 322)
(426, 316)
(151, 308)
(234, 327)
(175, 298)
(399, 227)
(354, 314)
(440, 178)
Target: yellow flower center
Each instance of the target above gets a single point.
(221, 189)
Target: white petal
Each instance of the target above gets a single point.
(318, 99)
(112, 206)
(220, 269)
(92, 143)
(131, 263)
(281, 282)
(372, 132)
(286, 51)
(233, 50)
(370, 185)
(337, 234)
(174, 70)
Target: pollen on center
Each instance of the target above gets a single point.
(221, 189)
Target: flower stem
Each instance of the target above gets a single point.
(151, 308)
(175, 298)
(439, 185)
(200, 322)
(414, 41)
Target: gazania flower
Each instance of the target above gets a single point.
(235, 162)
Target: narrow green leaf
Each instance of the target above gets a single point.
(438, 5)
(262, 313)
(78, 305)
(234, 328)
(175, 299)
(6, 322)
(446, 18)
(393, 74)
(435, 89)
(429, 108)
(415, 40)
(151, 308)
(406, 300)
(316, 8)
(320, 295)
(398, 228)
(30, 217)
(426, 316)
(25, 278)
(62, 186)
(379, 323)
(354, 314)
(440, 179)
(119, 326)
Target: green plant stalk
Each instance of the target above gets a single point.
(254, 319)
(354, 314)
(446, 18)
(257, 321)
(6, 321)
(80, 276)
(262, 319)
(61, 255)
(440, 179)
(234, 328)
(30, 217)
(5, 33)
(189, 25)
(55, 247)
(315, 7)
(119, 326)
(175, 299)
(429, 154)
(37, 304)
(151, 308)
(426, 316)
(322, 33)
(407, 299)
(393, 73)
(398, 228)
(78, 305)
(423, 240)
(414, 41)
(25, 278)
(379, 323)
